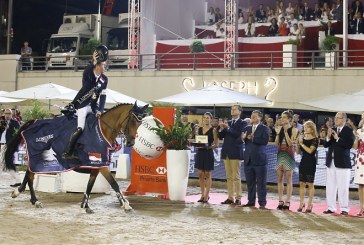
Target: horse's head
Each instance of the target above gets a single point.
(135, 119)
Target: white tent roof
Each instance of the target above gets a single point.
(347, 102)
(112, 97)
(40, 92)
(8, 100)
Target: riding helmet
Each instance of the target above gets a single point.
(102, 53)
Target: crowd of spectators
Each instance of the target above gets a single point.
(286, 18)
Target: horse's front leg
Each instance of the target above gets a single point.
(86, 196)
(22, 187)
(33, 198)
(123, 201)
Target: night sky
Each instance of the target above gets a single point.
(36, 20)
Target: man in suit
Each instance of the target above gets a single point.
(359, 24)
(339, 11)
(7, 127)
(7, 130)
(256, 138)
(339, 140)
(231, 154)
(307, 13)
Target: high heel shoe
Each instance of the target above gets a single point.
(309, 209)
(206, 201)
(200, 200)
(361, 212)
(286, 206)
(280, 205)
(300, 209)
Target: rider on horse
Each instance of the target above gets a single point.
(94, 83)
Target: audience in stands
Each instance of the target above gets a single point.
(273, 28)
(260, 14)
(250, 27)
(283, 29)
(210, 17)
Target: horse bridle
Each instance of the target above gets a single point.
(125, 130)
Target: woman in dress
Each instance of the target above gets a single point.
(307, 145)
(359, 167)
(285, 138)
(210, 17)
(204, 160)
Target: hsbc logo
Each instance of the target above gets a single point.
(161, 170)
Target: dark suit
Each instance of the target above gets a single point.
(231, 152)
(233, 144)
(340, 149)
(13, 124)
(359, 26)
(255, 164)
(338, 169)
(306, 14)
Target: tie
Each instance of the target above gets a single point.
(232, 122)
(338, 131)
(254, 128)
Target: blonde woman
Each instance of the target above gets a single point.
(204, 161)
(359, 167)
(286, 136)
(307, 145)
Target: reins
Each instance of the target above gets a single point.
(125, 129)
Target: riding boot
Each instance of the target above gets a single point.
(68, 153)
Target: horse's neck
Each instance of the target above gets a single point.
(112, 122)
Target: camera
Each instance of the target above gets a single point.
(3, 123)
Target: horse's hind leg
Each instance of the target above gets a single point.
(86, 196)
(22, 187)
(33, 198)
(123, 201)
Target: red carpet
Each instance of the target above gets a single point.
(318, 207)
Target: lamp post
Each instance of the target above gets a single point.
(10, 23)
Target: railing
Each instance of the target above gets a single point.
(312, 59)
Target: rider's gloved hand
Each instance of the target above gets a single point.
(69, 110)
(95, 57)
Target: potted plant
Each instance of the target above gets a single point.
(197, 47)
(175, 140)
(290, 53)
(330, 46)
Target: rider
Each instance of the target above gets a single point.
(94, 83)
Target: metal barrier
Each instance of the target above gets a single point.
(309, 59)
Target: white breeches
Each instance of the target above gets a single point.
(82, 114)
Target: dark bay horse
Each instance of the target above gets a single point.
(123, 117)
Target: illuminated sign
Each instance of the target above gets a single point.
(263, 89)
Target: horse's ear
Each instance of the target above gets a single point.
(145, 107)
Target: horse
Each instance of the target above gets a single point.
(122, 117)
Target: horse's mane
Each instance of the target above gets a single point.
(114, 107)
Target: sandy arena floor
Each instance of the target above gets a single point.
(156, 221)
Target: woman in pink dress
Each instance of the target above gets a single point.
(359, 167)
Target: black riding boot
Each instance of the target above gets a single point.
(68, 153)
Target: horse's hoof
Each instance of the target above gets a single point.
(127, 207)
(15, 193)
(38, 204)
(89, 211)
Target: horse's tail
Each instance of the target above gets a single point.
(12, 146)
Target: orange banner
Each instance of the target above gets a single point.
(151, 175)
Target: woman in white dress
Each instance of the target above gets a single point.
(359, 166)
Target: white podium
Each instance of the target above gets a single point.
(72, 181)
(123, 167)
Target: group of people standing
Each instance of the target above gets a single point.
(290, 141)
